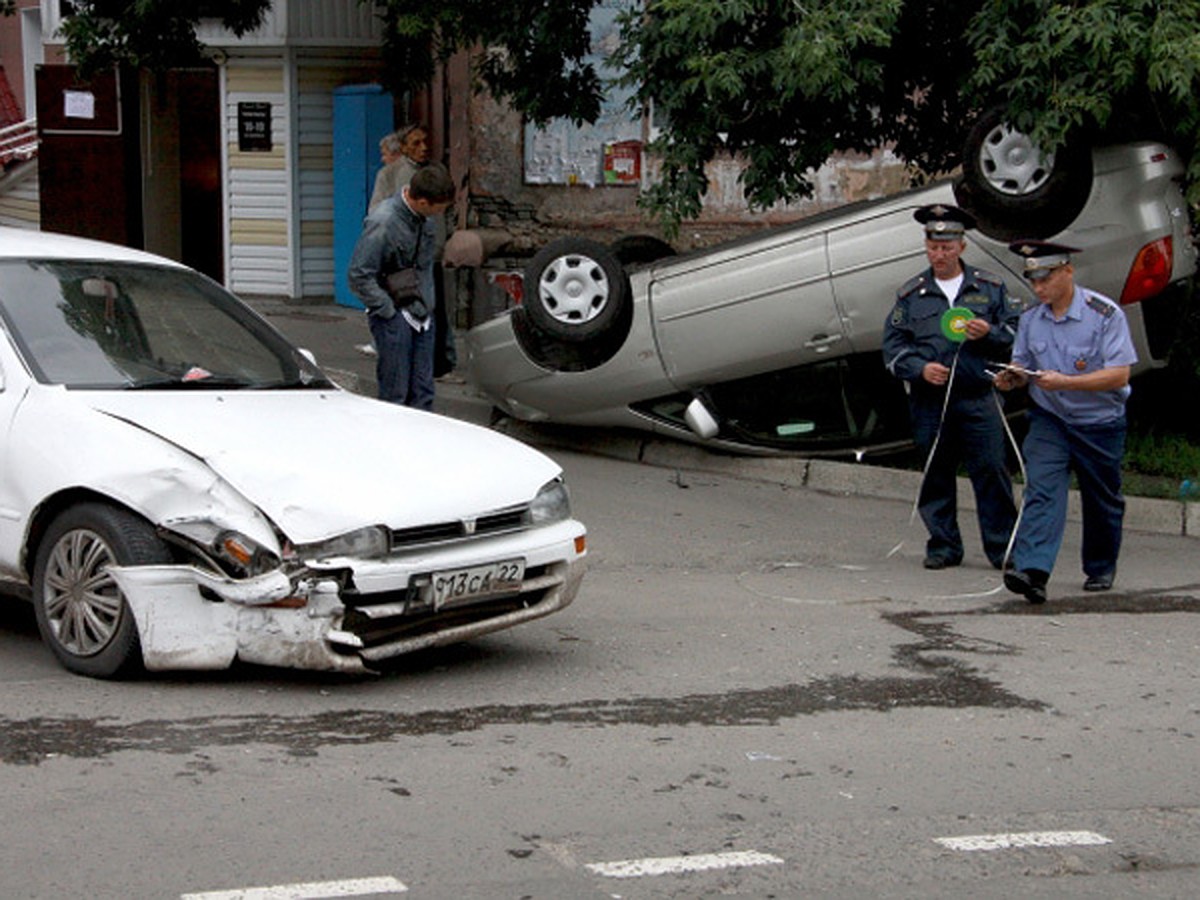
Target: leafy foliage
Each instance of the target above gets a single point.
(1106, 69)
(533, 54)
(151, 34)
(787, 82)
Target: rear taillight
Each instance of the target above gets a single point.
(512, 283)
(1150, 273)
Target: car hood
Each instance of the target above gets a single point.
(323, 462)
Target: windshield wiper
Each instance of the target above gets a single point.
(321, 384)
(193, 384)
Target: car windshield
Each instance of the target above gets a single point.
(110, 325)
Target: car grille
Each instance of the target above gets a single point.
(499, 522)
(379, 626)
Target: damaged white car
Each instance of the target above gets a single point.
(180, 487)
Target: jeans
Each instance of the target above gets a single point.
(404, 366)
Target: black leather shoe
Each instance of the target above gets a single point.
(1029, 583)
(941, 562)
(1099, 582)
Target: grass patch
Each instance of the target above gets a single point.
(1157, 465)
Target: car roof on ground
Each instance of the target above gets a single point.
(22, 243)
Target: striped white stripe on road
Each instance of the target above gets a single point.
(670, 865)
(1023, 839)
(312, 890)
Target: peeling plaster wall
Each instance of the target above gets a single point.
(500, 195)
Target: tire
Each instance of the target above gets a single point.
(91, 632)
(575, 290)
(1013, 188)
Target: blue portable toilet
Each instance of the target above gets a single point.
(362, 115)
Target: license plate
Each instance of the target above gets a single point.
(461, 585)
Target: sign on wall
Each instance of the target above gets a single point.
(564, 153)
(254, 126)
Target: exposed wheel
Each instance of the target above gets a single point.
(81, 613)
(1016, 190)
(575, 290)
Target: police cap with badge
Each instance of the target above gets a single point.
(1042, 258)
(944, 222)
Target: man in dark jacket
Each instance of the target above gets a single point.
(391, 271)
(948, 323)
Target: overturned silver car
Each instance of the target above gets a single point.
(181, 487)
(772, 343)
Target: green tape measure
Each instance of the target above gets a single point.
(954, 323)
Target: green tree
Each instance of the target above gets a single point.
(151, 34)
(531, 52)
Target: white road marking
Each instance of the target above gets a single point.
(670, 865)
(1023, 839)
(312, 890)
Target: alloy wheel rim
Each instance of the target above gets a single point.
(81, 599)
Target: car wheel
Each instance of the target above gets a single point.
(1016, 190)
(575, 290)
(81, 612)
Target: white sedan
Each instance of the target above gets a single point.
(181, 487)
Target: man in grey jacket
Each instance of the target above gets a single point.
(391, 271)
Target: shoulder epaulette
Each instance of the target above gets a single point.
(984, 275)
(911, 285)
(1105, 307)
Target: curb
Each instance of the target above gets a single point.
(1145, 514)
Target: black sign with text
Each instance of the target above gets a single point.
(254, 126)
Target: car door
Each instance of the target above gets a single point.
(750, 307)
(869, 259)
(12, 509)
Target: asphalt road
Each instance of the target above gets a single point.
(759, 692)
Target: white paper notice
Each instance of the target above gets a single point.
(79, 104)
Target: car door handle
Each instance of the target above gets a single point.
(822, 342)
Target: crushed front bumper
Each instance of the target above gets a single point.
(343, 615)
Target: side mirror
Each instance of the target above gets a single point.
(702, 422)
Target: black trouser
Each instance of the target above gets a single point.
(972, 433)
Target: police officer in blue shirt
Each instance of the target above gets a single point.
(943, 358)
(1075, 353)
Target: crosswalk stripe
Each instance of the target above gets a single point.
(666, 865)
(311, 890)
(1023, 839)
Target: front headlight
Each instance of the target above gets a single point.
(552, 504)
(237, 554)
(363, 544)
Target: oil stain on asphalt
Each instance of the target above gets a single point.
(935, 679)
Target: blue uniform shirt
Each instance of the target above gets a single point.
(1093, 335)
